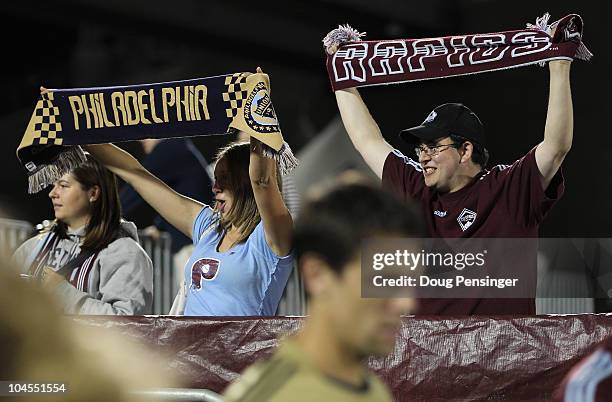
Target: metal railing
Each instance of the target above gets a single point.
(293, 301)
(179, 395)
(12, 234)
(164, 275)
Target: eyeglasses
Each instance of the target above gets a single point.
(434, 150)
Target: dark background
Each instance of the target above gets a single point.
(81, 43)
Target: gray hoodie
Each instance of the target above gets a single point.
(119, 283)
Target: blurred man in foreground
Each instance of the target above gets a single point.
(325, 361)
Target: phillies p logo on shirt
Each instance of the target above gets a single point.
(203, 269)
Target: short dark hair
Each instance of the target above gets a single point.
(480, 155)
(334, 224)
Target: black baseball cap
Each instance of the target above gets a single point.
(447, 119)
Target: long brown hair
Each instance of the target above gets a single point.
(243, 213)
(105, 212)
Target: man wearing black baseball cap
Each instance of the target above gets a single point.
(459, 196)
(446, 120)
(455, 125)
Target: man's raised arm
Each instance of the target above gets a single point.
(363, 130)
(559, 129)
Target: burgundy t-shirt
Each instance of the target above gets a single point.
(506, 201)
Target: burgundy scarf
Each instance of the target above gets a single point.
(352, 62)
(76, 271)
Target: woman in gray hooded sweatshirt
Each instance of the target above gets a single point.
(90, 258)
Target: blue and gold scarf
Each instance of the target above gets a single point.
(66, 118)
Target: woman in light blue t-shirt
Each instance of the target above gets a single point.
(241, 259)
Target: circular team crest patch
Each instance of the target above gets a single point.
(259, 113)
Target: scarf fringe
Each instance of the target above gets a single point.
(284, 158)
(339, 36)
(542, 24)
(67, 160)
(582, 53)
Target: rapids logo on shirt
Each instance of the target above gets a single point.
(432, 116)
(466, 218)
(203, 269)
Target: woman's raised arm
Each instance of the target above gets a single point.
(274, 214)
(178, 210)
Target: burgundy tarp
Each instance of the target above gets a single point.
(462, 359)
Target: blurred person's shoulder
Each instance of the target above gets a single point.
(288, 376)
(264, 380)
